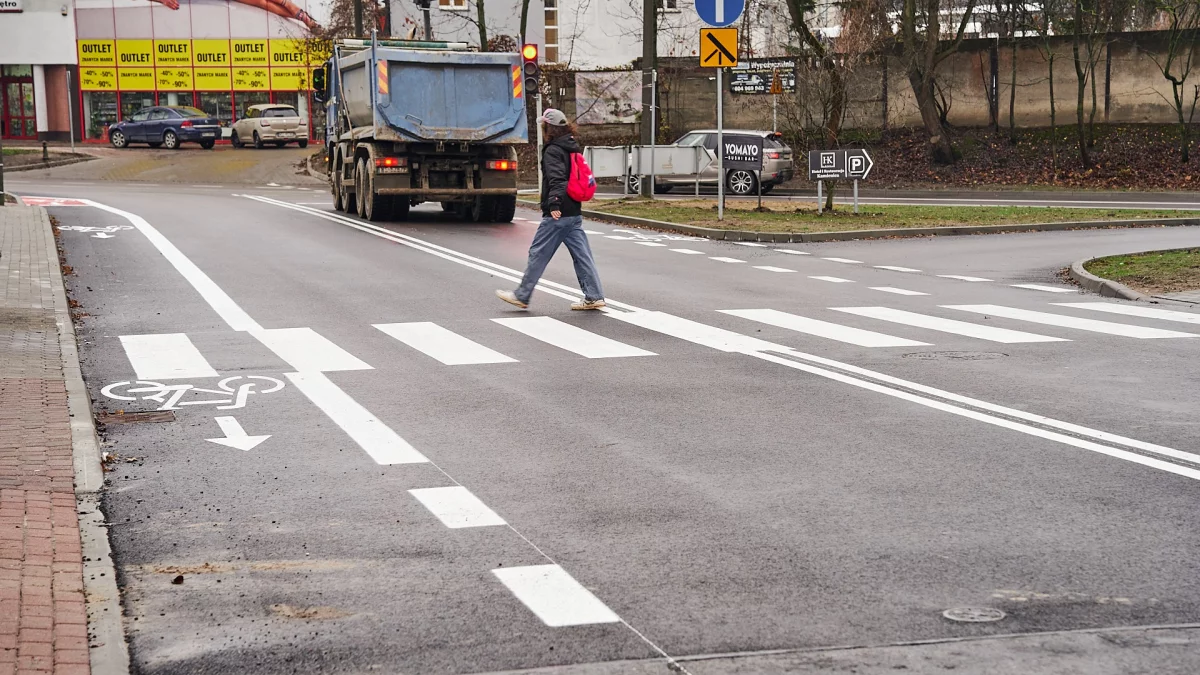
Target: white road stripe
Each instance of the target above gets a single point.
(372, 435)
(1133, 310)
(750, 243)
(554, 596)
(571, 338)
(695, 332)
(989, 333)
(165, 356)
(648, 243)
(726, 260)
(768, 268)
(307, 350)
(457, 507)
(687, 251)
(1048, 289)
(585, 231)
(844, 260)
(442, 344)
(1063, 321)
(791, 251)
(832, 331)
(897, 291)
(833, 280)
(895, 268)
(962, 278)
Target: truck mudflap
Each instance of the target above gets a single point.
(431, 193)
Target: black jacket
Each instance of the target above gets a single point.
(556, 171)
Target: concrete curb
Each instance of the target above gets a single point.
(810, 237)
(1107, 287)
(108, 651)
(49, 165)
(20, 202)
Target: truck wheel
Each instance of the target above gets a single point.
(371, 206)
(335, 182)
(361, 194)
(351, 199)
(503, 209)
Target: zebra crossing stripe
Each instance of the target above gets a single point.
(825, 329)
(1132, 310)
(1048, 289)
(973, 330)
(442, 344)
(571, 338)
(1063, 321)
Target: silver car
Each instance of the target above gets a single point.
(274, 123)
(777, 165)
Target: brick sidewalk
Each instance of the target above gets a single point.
(43, 624)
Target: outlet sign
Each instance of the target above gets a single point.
(12, 5)
(742, 152)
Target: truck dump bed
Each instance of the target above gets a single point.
(430, 95)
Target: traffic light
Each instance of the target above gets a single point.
(531, 69)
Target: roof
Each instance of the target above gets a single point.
(746, 132)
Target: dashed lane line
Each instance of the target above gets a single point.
(1048, 289)
(769, 268)
(843, 260)
(962, 278)
(833, 280)
(726, 260)
(896, 291)
(687, 251)
(896, 268)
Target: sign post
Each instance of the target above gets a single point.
(718, 49)
(826, 165)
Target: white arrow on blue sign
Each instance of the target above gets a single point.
(719, 13)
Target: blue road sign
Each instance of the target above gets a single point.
(720, 13)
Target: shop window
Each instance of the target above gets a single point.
(133, 101)
(291, 98)
(17, 71)
(183, 99)
(245, 99)
(218, 104)
(99, 112)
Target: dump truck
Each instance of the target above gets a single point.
(412, 121)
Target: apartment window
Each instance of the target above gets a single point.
(452, 4)
(668, 5)
(551, 50)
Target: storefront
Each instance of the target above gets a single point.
(221, 57)
(37, 64)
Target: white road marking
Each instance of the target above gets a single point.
(444, 345)
(457, 507)
(962, 278)
(1134, 310)
(833, 280)
(844, 260)
(897, 291)
(896, 268)
(571, 338)
(768, 268)
(235, 435)
(791, 251)
(750, 243)
(1063, 321)
(989, 333)
(166, 356)
(687, 251)
(1048, 289)
(619, 237)
(832, 331)
(372, 435)
(307, 350)
(694, 331)
(726, 260)
(585, 231)
(222, 304)
(648, 243)
(554, 596)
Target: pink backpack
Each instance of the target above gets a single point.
(581, 186)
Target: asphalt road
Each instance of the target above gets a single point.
(757, 448)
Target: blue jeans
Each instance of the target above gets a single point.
(550, 234)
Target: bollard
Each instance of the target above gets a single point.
(45, 153)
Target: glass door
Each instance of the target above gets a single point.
(19, 118)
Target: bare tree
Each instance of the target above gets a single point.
(1049, 11)
(1182, 19)
(924, 48)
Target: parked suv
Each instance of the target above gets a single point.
(270, 123)
(777, 165)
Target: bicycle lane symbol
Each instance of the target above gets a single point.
(233, 395)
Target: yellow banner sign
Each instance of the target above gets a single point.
(289, 79)
(135, 54)
(172, 52)
(288, 53)
(173, 79)
(210, 53)
(97, 53)
(212, 79)
(135, 79)
(97, 78)
(250, 53)
(251, 79)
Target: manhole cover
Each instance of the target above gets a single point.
(956, 356)
(974, 614)
(136, 417)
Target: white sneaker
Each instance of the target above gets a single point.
(511, 298)
(589, 304)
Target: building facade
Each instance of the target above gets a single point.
(37, 64)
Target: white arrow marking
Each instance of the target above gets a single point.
(102, 235)
(235, 436)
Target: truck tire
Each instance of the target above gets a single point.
(503, 209)
(371, 206)
(335, 182)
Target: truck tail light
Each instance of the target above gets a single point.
(187, 124)
(390, 162)
(501, 165)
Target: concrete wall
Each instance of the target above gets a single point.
(41, 33)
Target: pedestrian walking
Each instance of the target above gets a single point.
(562, 222)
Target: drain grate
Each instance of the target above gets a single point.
(136, 417)
(974, 614)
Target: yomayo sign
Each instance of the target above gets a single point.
(739, 151)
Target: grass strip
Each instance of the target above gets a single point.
(1154, 273)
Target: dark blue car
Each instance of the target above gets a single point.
(166, 126)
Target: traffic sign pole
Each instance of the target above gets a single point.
(720, 147)
(856, 195)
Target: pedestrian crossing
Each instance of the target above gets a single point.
(175, 356)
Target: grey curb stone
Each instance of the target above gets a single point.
(813, 237)
(49, 165)
(1107, 287)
